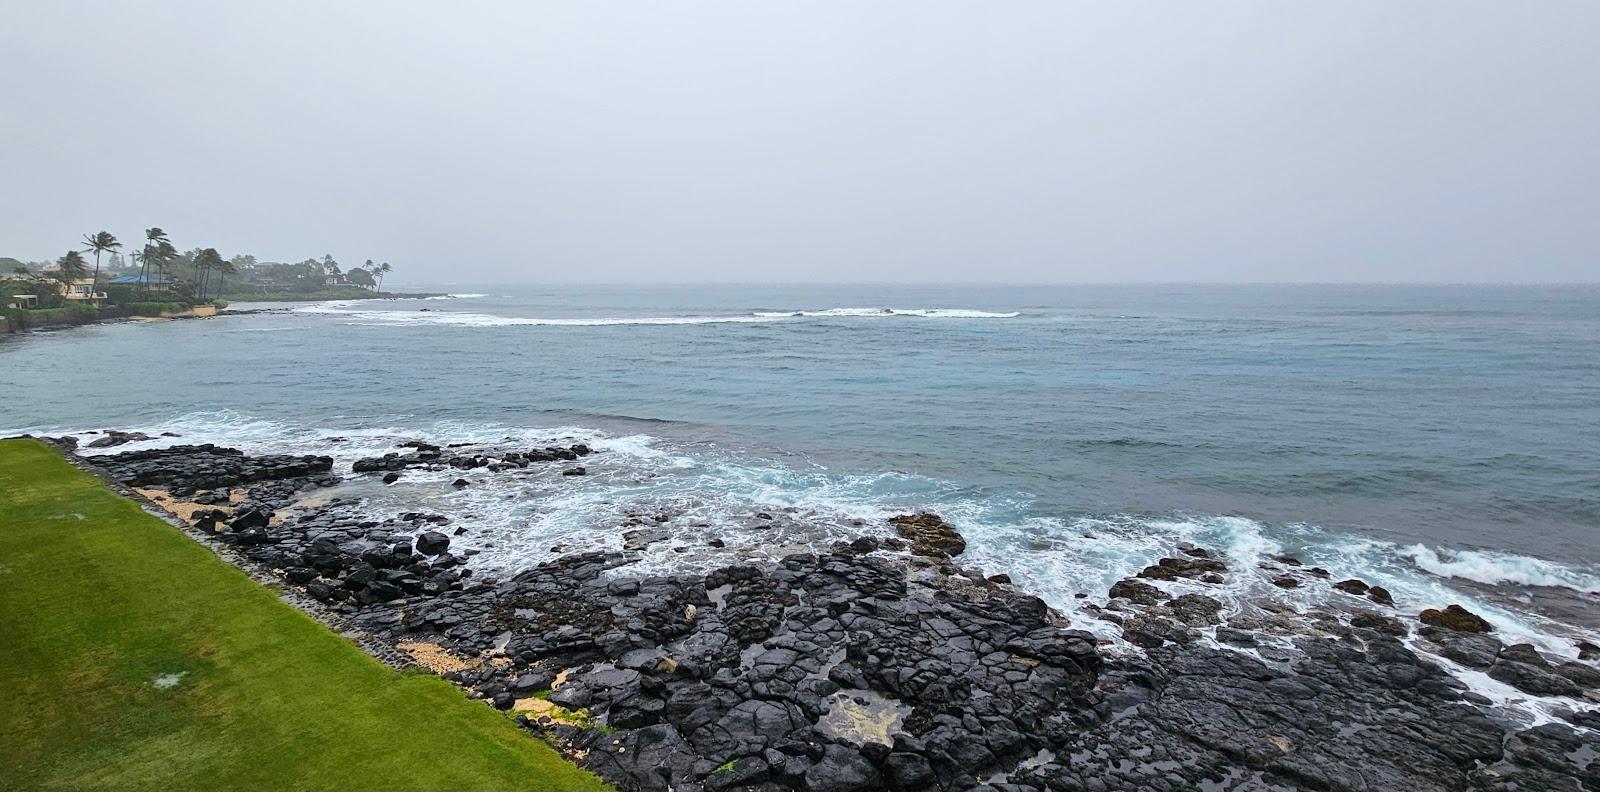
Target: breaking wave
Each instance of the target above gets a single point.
(1497, 568)
(927, 313)
(710, 493)
(356, 315)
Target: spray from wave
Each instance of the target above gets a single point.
(1497, 568)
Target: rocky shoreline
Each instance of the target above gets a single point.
(882, 662)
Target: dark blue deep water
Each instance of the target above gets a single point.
(1449, 436)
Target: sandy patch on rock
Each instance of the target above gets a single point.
(182, 509)
(863, 716)
(434, 657)
(536, 707)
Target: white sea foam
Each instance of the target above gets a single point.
(356, 313)
(524, 517)
(927, 313)
(1498, 568)
(466, 319)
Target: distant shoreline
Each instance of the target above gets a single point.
(16, 321)
(326, 294)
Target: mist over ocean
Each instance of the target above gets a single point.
(1442, 440)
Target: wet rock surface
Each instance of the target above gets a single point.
(1457, 618)
(930, 535)
(186, 468)
(864, 667)
(112, 438)
(426, 455)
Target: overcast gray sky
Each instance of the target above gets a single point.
(818, 141)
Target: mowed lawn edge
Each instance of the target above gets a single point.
(136, 658)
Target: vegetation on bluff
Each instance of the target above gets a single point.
(69, 291)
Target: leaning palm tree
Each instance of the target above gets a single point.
(156, 257)
(200, 264)
(100, 242)
(381, 270)
(155, 239)
(224, 268)
(204, 262)
(70, 268)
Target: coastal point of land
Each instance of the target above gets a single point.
(881, 662)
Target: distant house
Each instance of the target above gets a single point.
(82, 289)
(154, 281)
(334, 281)
(78, 289)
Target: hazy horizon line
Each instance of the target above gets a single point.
(687, 283)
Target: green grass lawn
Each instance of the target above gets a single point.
(131, 657)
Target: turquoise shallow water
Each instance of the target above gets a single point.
(1447, 436)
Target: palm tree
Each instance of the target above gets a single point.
(204, 262)
(154, 239)
(157, 256)
(100, 242)
(224, 268)
(381, 270)
(70, 268)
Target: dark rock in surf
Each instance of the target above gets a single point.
(1176, 568)
(1352, 586)
(1533, 678)
(1455, 617)
(1586, 676)
(1137, 591)
(641, 538)
(1379, 623)
(113, 437)
(1473, 650)
(930, 535)
(1194, 610)
(432, 543)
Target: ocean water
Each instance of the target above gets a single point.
(1441, 441)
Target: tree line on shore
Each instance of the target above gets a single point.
(200, 272)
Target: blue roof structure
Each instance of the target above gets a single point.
(153, 279)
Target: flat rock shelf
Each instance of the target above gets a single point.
(882, 663)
